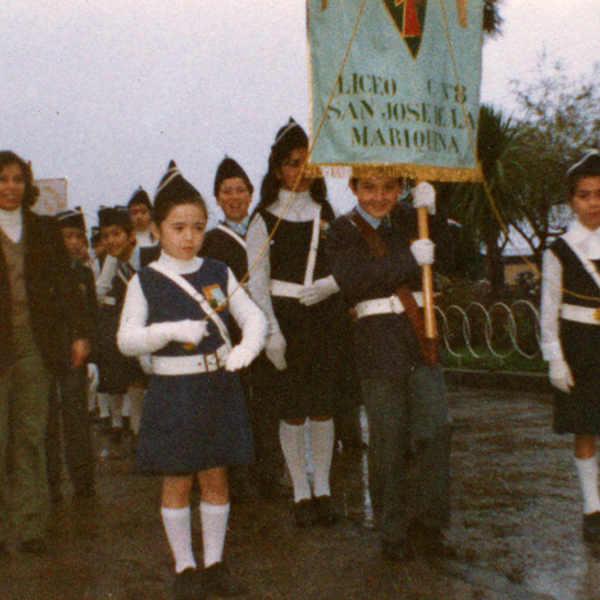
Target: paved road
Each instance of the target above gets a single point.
(516, 527)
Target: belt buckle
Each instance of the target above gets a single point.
(597, 314)
(212, 362)
(395, 304)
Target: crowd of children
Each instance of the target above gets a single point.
(213, 365)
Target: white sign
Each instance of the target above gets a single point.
(53, 196)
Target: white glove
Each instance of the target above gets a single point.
(239, 357)
(423, 194)
(93, 377)
(560, 375)
(319, 290)
(186, 331)
(275, 350)
(146, 363)
(423, 251)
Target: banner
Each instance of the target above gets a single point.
(53, 196)
(395, 86)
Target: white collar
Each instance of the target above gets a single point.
(11, 222)
(586, 239)
(181, 267)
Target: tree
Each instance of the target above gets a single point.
(487, 209)
(559, 120)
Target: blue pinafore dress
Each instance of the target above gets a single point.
(191, 423)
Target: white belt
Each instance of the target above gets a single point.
(384, 306)
(580, 314)
(190, 365)
(285, 288)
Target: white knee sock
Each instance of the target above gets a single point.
(103, 404)
(292, 445)
(214, 519)
(115, 404)
(178, 527)
(322, 438)
(136, 399)
(587, 471)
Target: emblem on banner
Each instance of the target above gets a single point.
(409, 18)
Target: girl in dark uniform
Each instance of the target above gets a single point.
(292, 284)
(194, 422)
(571, 330)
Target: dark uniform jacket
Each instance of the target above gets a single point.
(386, 344)
(56, 313)
(222, 246)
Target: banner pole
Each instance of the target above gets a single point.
(428, 306)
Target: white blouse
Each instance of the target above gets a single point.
(136, 338)
(587, 243)
(296, 207)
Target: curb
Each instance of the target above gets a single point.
(514, 381)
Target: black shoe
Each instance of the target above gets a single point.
(304, 513)
(188, 585)
(217, 580)
(398, 552)
(326, 512)
(4, 553)
(430, 541)
(591, 528)
(33, 546)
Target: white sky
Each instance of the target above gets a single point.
(106, 92)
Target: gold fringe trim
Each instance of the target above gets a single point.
(407, 170)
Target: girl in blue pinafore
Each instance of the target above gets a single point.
(194, 421)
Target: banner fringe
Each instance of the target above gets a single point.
(406, 170)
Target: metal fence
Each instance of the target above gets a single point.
(498, 330)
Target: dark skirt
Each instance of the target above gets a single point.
(310, 384)
(191, 423)
(579, 411)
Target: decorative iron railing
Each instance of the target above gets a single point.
(498, 330)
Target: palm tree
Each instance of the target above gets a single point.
(488, 209)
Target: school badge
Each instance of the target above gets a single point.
(409, 18)
(214, 296)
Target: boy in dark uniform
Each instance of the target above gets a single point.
(117, 373)
(140, 209)
(72, 400)
(372, 255)
(227, 242)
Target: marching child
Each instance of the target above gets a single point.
(291, 282)
(227, 242)
(194, 422)
(571, 330)
(376, 262)
(73, 403)
(118, 375)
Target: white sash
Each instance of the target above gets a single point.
(236, 236)
(588, 265)
(314, 246)
(187, 287)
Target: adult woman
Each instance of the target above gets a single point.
(39, 312)
(303, 312)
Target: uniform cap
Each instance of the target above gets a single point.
(72, 217)
(226, 170)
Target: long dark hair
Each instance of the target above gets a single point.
(8, 157)
(289, 138)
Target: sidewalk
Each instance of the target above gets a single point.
(516, 527)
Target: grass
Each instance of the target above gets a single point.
(489, 362)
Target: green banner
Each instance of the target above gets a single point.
(395, 86)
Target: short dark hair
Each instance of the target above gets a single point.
(8, 157)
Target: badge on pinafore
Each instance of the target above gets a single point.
(214, 296)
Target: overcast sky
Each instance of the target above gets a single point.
(106, 92)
